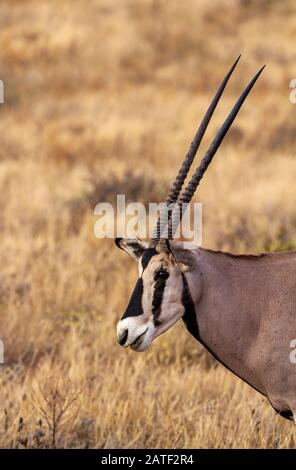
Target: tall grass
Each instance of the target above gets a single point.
(103, 100)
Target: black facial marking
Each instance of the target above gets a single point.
(147, 255)
(159, 287)
(189, 316)
(135, 307)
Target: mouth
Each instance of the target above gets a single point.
(136, 344)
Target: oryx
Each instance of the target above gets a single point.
(242, 308)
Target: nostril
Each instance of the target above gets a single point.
(123, 337)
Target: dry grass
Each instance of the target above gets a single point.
(96, 97)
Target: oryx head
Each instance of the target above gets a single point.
(162, 294)
(158, 298)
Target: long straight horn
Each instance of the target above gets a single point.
(189, 191)
(187, 162)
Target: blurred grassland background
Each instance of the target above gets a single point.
(103, 97)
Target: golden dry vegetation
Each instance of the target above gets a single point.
(103, 97)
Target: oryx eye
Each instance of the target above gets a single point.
(161, 274)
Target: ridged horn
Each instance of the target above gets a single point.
(189, 157)
(189, 191)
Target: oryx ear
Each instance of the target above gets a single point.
(133, 246)
(182, 256)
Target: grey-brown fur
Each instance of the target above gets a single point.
(246, 315)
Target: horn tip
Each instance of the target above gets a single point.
(260, 71)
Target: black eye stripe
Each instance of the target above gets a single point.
(147, 255)
(135, 307)
(161, 273)
(159, 287)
